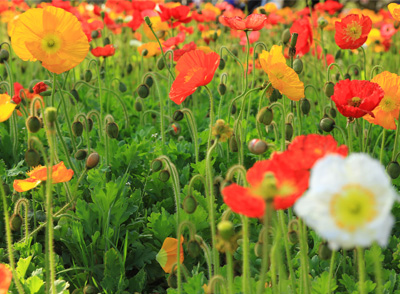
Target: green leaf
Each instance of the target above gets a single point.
(320, 284)
(22, 266)
(35, 285)
(61, 286)
(113, 271)
(138, 282)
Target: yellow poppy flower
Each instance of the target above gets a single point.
(159, 27)
(394, 10)
(153, 49)
(281, 76)
(6, 107)
(51, 35)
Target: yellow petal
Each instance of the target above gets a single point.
(25, 185)
(6, 107)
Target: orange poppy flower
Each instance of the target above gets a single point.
(60, 174)
(51, 35)
(196, 69)
(106, 51)
(7, 107)
(387, 110)
(281, 76)
(394, 10)
(5, 278)
(352, 31)
(168, 256)
(253, 22)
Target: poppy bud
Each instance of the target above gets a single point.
(149, 81)
(81, 154)
(178, 115)
(322, 22)
(305, 106)
(93, 160)
(221, 65)
(338, 54)
(112, 130)
(90, 123)
(332, 112)
(257, 146)
(175, 129)
(263, 11)
(172, 281)
(329, 89)
(286, 36)
(222, 89)
(233, 109)
(275, 95)
(6, 189)
(156, 165)
(298, 65)
(77, 128)
(45, 93)
(265, 116)
(143, 91)
(327, 124)
(293, 41)
(122, 87)
(324, 252)
(393, 169)
(189, 204)
(145, 52)
(233, 144)
(288, 131)
(4, 55)
(193, 248)
(258, 249)
(15, 222)
(106, 41)
(164, 175)
(74, 93)
(226, 230)
(89, 289)
(88, 76)
(32, 157)
(138, 105)
(293, 237)
(235, 52)
(160, 63)
(95, 34)
(347, 76)
(33, 124)
(129, 68)
(147, 20)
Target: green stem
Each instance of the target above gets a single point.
(382, 146)
(246, 263)
(396, 139)
(304, 256)
(378, 271)
(331, 268)
(211, 114)
(265, 247)
(361, 270)
(229, 264)
(350, 137)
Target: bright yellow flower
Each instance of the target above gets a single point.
(211, 7)
(281, 76)
(159, 27)
(6, 107)
(51, 35)
(153, 49)
(205, 49)
(375, 40)
(394, 10)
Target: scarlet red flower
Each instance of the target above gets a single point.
(356, 98)
(196, 69)
(39, 88)
(329, 6)
(352, 31)
(178, 53)
(105, 51)
(143, 5)
(253, 22)
(176, 15)
(174, 41)
(305, 37)
(5, 278)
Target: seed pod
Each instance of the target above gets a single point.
(90, 123)
(143, 91)
(33, 124)
(106, 41)
(112, 130)
(265, 116)
(393, 169)
(327, 124)
(178, 115)
(4, 55)
(149, 81)
(257, 146)
(329, 89)
(81, 154)
(89, 289)
(164, 175)
(221, 64)
(233, 143)
(88, 76)
(15, 222)
(305, 106)
(32, 157)
(129, 68)
(288, 131)
(285, 36)
(122, 87)
(175, 129)
(222, 89)
(93, 160)
(156, 165)
(298, 65)
(193, 248)
(77, 128)
(226, 230)
(324, 252)
(293, 237)
(160, 63)
(138, 105)
(189, 204)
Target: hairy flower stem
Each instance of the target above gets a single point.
(304, 257)
(211, 114)
(246, 263)
(361, 270)
(25, 203)
(229, 264)
(331, 268)
(378, 271)
(265, 247)
(382, 146)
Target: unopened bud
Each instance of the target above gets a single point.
(347, 76)
(226, 230)
(50, 115)
(95, 34)
(93, 160)
(332, 112)
(88, 76)
(305, 106)
(75, 94)
(275, 96)
(32, 157)
(145, 52)
(175, 129)
(327, 124)
(257, 146)
(233, 109)
(324, 252)
(77, 128)
(258, 249)
(233, 144)
(106, 41)
(160, 63)
(89, 289)
(147, 20)
(178, 115)
(149, 81)
(298, 65)
(193, 248)
(138, 105)
(129, 68)
(33, 124)
(112, 130)
(221, 65)
(293, 237)
(329, 89)
(156, 165)
(288, 131)
(143, 91)
(189, 204)
(322, 22)
(4, 55)
(338, 54)
(122, 87)
(90, 123)
(286, 36)
(393, 169)
(293, 41)
(222, 89)
(265, 116)
(15, 222)
(172, 281)
(164, 175)
(81, 154)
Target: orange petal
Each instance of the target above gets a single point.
(25, 185)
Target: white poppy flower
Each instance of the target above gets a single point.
(349, 201)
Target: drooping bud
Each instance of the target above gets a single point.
(327, 124)
(258, 249)
(122, 87)
(275, 95)
(15, 222)
(329, 89)
(175, 129)
(178, 115)
(288, 131)
(112, 130)
(293, 42)
(286, 36)
(298, 65)
(257, 146)
(81, 154)
(33, 124)
(347, 76)
(106, 41)
(233, 143)
(189, 204)
(32, 157)
(393, 169)
(226, 230)
(145, 52)
(293, 237)
(77, 128)
(156, 165)
(88, 76)
(305, 106)
(338, 54)
(324, 252)
(265, 116)
(222, 89)
(138, 104)
(143, 91)
(160, 63)
(233, 109)
(193, 248)
(164, 175)
(95, 34)
(93, 160)
(149, 81)
(90, 123)
(172, 281)
(221, 65)
(75, 94)
(129, 68)
(332, 112)
(4, 55)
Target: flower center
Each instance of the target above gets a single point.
(353, 31)
(51, 43)
(355, 101)
(353, 207)
(388, 104)
(267, 189)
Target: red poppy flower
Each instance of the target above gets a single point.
(305, 37)
(137, 19)
(5, 278)
(253, 22)
(196, 69)
(39, 88)
(356, 98)
(188, 30)
(352, 31)
(105, 51)
(329, 6)
(175, 41)
(290, 185)
(178, 53)
(176, 15)
(143, 5)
